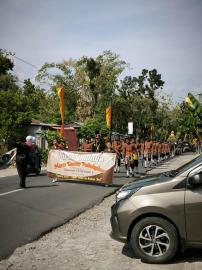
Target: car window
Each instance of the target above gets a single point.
(189, 165)
(197, 170)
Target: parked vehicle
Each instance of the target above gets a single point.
(161, 214)
(187, 147)
(182, 147)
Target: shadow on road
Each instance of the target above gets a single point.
(83, 182)
(190, 255)
(42, 186)
(34, 175)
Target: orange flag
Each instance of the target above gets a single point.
(108, 116)
(60, 91)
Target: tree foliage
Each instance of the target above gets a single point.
(89, 84)
(137, 102)
(100, 78)
(6, 65)
(92, 127)
(186, 120)
(14, 117)
(55, 75)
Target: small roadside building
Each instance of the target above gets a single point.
(38, 128)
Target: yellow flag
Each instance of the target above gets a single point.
(108, 116)
(60, 91)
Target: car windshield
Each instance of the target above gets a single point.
(188, 165)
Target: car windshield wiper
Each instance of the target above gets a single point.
(170, 173)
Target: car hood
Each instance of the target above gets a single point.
(147, 181)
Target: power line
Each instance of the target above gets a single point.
(26, 62)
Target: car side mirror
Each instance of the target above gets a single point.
(195, 180)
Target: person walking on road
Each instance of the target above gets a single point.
(135, 162)
(87, 146)
(118, 149)
(198, 146)
(23, 159)
(127, 154)
(147, 153)
(57, 146)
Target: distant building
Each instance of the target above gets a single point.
(75, 125)
(37, 129)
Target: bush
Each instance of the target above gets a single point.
(44, 156)
(50, 135)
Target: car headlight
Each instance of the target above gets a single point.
(123, 194)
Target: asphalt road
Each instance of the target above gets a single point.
(26, 214)
(84, 243)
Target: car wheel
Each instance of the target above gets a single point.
(154, 240)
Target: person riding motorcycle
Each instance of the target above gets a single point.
(34, 164)
(28, 158)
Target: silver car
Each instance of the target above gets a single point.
(161, 214)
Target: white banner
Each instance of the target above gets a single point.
(81, 165)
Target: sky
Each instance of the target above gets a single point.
(161, 34)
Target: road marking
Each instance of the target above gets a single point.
(9, 192)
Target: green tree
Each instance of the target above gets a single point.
(6, 65)
(138, 102)
(99, 79)
(7, 80)
(93, 126)
(93, 71)
(36, 99)
(88, 83)
(55, 75)
(121, 114)
(186, 120)
(14, 117)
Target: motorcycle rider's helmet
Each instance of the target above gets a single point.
(29, 138)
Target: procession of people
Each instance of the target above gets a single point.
(131, 152)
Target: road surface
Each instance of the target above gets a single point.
(26, 214)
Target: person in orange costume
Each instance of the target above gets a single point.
(157, 151)
(154, 152)
(109, 148)
(127, 154)
(117, 146)
(159, 147)
(57, 145)
(87, 146)
(142, 149)
(138, 147)
(147, 152)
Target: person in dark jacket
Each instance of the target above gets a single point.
(22, 160)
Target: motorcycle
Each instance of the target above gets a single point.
(34, 164)
(27, 162)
